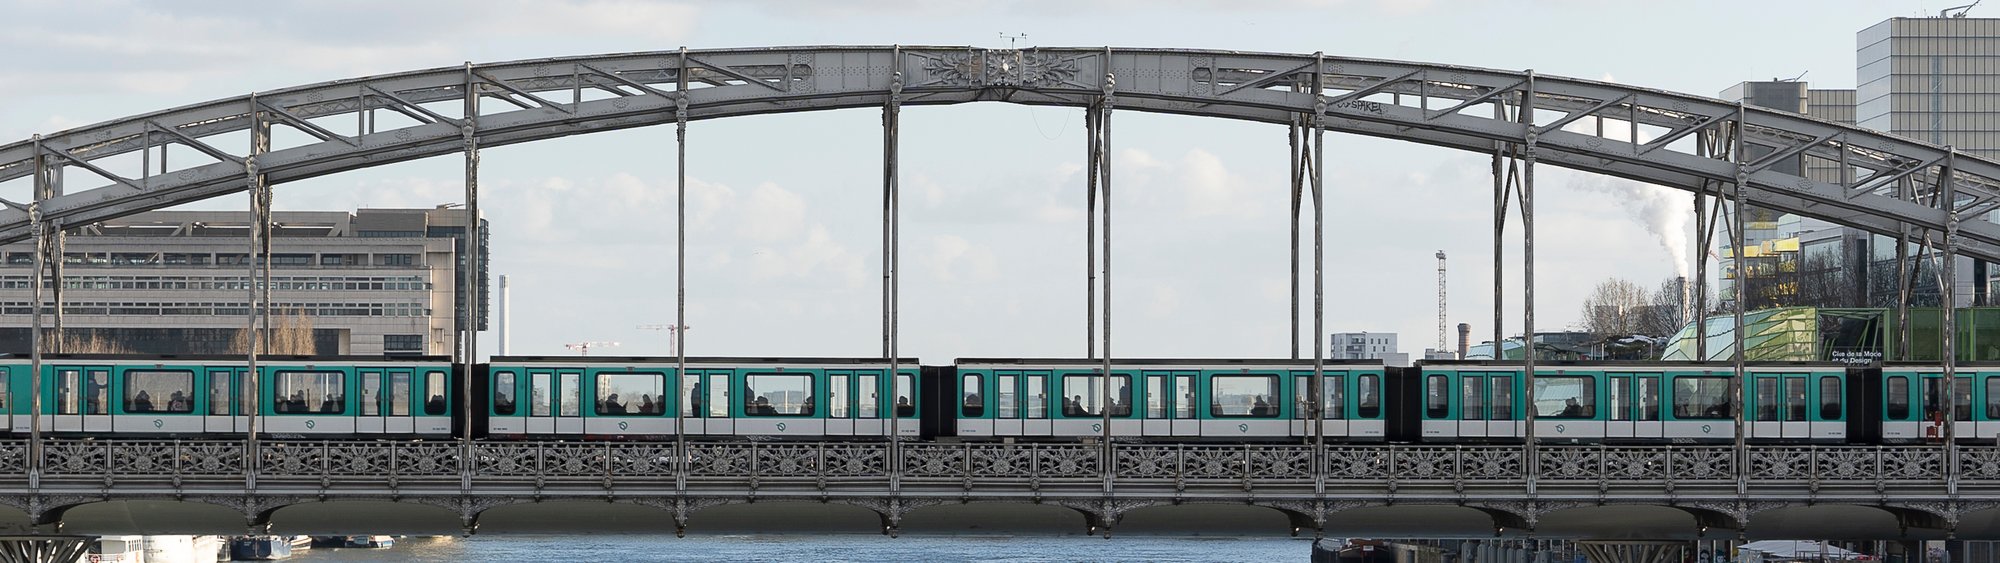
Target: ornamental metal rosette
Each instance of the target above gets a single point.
(1624, 131)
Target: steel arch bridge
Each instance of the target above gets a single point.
(1896, 186)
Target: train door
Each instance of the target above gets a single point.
(689, 393)
(1829, 418)
(907, 403)
(1988, 427)
(569, 403)
(505, 416)
(1036, 391)
(1503, 410)
(223, 412)
(1933, 411)
(434, 412)
(840, 403)
(541, 403)
(399, 416)
(1156, 419)
(11, 391)
(1368, 420)
(868, 404)
(1439, 423)
(75, 397)
(1186, 424)
(370, 420)
(975, 418)
(1333, 422)
(1619, 423)
(1647, 394)
(1008, 421)
(1473, 395)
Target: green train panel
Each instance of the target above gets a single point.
(637, 397)
(1166, 399)
(1630, 402)
(1912, 401)
(190, 396)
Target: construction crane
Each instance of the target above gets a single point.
(672, 348)
(583, 348)
(1440, 256)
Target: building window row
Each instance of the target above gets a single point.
(240, 283)
(277, 260)
(226, 309)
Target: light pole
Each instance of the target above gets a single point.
(672, 350)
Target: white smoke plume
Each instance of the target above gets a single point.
(1664, 211)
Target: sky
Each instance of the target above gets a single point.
(784, 222)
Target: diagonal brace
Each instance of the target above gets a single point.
(205, 148)
(1482, 98)
(1371, 90)
(308, 126)
(1669, 138)
(522, 93)
(1576, 115)
(733, 74)
(86, 165)
(1268, 79)
(627, 81)
(1773, 158)
(435, 117)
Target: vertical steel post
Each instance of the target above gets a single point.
(470, 287)
(892, 217)
(1698, 310)
(1904, 276)
(1948, 286)
(1736, 255)
(40, 229)
(1091, 140)
(1319, 268)
(680, 273)
(258, 321)
(1295, 133)
(58, 236)
(1501, 188)
(1107, 463)
(1527, 118)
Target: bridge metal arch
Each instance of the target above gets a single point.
(1895, 184)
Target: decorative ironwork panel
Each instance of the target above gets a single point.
(1634, 464)
(1054, 461)
(1702, 464)
(1781, 464)
(1147, 461)
(1490, 462)
(566, 459)
(429, 459)
(933, 460)
(1281, 462)
(719, 459)
(1979, 463)
(1427, 463)
(142, 458)
(855, 460)
(359, 459)
(1912, 463)
(1846, 464)
(1356, 463)
(787, 460)
(1002, 461)
(1570, 463)
(13, 457)
(642, 459)
(71, 457)
(509, 459)
(1212, 462)
(212, 458)
(295, 459)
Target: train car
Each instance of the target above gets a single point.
(637, 398)
(1164, 399)
(1625, 402)
(208, 395)
(1912, 403)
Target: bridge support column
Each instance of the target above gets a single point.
(44, 549)
(1633, 551)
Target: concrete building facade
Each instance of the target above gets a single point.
(1366, 346)
(376, 281)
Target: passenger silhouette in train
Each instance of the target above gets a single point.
(143, 402)
(178, 402)
(762, 406)
(502, 403)
(1571, 408)
(612, 405)
(1717, 410)
(330, 406)
(694, 402)
(298, 402)
(435, 406)
(1260, 407)
(646, 404)
(904, 408)
(974, 404)
(806, 406)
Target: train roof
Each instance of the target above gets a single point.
(237, 358)
(1165, 361)
(1629, 363)
(695, 359)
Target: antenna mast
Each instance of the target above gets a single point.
(1440, 257)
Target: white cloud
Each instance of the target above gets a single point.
(952, 258)
(772, 214)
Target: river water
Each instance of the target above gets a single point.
(824, 547)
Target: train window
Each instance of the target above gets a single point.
(1038, 403)
(1565, 397)
(975, 402)
(1961, 399)
(1649, 398)
(905, 408)
(159, 391)
(1704, 397)
(630, 394)
(1156, 396)
(218, 393)
(869, 395)
(1370, 397)
(778, 394)
(1992, 398)
(1243, 396)
(1795, 399)
(837, 396)
(503, 394)
(434, 384)
(1336, 397)
(691, 388)
(1472, 405)
(318, 392)
(1621, 399)
(718, 395)
(1302, 393)
(399, 394)
(1829, 398)
(1083, 395)
(538, 394)
(1899, 398)
(569, 394)
(95, 392)
(67, 397)
(1437, 397)
(1008, 396)
(371, 393)
(1766, 399)
(1184, 397)
(1503, 398)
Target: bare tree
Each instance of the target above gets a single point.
(291, 335)
(1614, 308)
(1670, 308)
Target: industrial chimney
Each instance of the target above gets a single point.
(503, 315)
(1464, 339)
